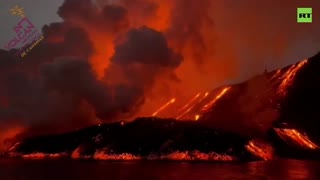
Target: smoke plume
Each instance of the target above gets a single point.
(57, 86)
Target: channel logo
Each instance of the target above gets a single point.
(304, 15)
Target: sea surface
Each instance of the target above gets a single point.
(92, 170)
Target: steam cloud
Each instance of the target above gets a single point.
(56, 87)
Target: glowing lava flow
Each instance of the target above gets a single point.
(288, 77)
(192, 104)
(196, 117)
(204, 96)
(194, 107)
(276, 75)
(184, 113)
(164, 107)
(296, 137)
(211, 103)
(257, 150)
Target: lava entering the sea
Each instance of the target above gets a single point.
(261, 150)
(296, 137)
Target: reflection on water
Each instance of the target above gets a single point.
(56, 170)
(284, 169)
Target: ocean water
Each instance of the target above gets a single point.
(155, 170)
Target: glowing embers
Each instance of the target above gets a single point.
(43, 156)
(164, 107)
(102, 155)
(174, 156)
(196, 117)
(261, 150)
(38, 155)
(295, 137)
(195, 156)
(288, 77)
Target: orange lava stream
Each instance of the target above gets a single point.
(192, 109)
(288, 77)
(258, 151)
(164, 107)
(276, 75)
(211, 103)
(184, 113)
(192, 106)
(295, 136)
(204, 96)
(196, 117)
(190, 102)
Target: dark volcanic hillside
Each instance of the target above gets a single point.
(265, 114)
(301, 106)
(252, 107)
(287, 95)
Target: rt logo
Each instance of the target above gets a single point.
(304, 15)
